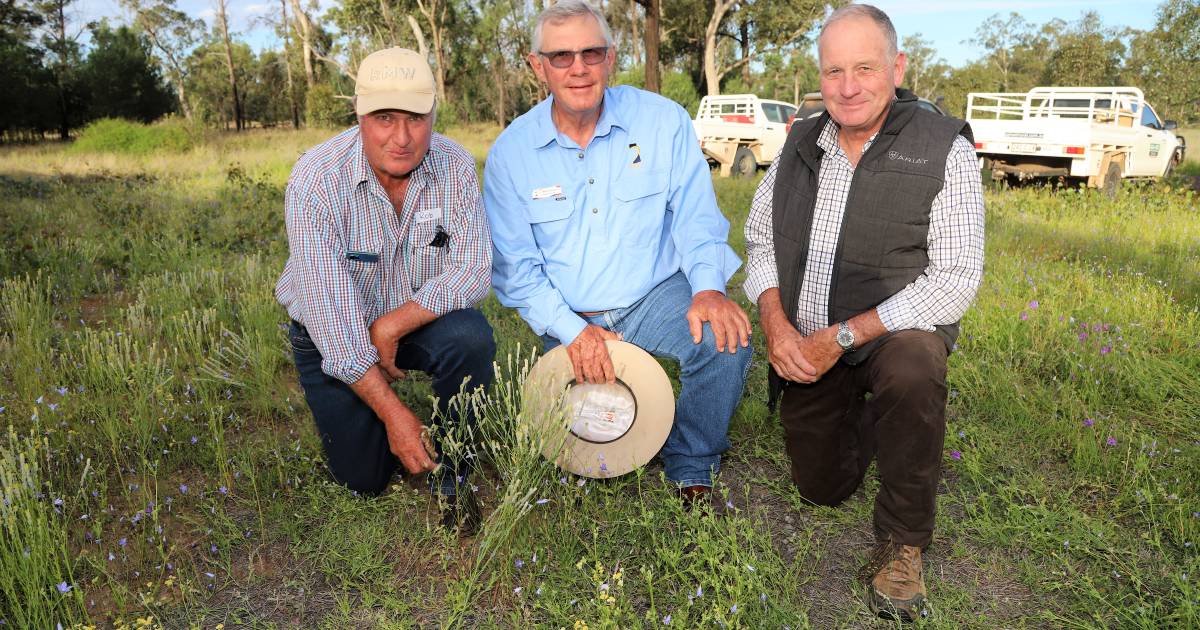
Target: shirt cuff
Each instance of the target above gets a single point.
(704, 277)
(897, 314)
(434, 298)
(754, 286)
(352, 370)
(567, 327)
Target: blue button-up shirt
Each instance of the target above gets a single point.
(582, 230)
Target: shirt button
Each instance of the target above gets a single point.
(581, 155)
(595, 211)
(591, 180)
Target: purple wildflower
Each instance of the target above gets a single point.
(1033, 306)
(518, 563)
(1111, 441)
(183, 488)
(667, 619)
(1083, 336)
(122, 542)
(64, 588)
(1105, 350)
(1088, 422)
(955, 454)
(195, 439)
(62, 391)
(223, 490)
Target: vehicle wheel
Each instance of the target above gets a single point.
(744, 164)
(1112, 180)
(1176, 160)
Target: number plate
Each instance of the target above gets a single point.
(1023, 147)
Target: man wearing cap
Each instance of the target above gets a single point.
(865, 248)
(389, 251)
(605, 226)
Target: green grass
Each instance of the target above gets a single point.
(115, 135)
(162, 464)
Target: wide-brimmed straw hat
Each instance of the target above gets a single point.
(600, 430)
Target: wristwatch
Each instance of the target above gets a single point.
(845, 337)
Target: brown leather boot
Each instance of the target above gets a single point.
(895, 581)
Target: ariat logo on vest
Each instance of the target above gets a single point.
(896, 155)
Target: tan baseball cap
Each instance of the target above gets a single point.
(394, 78)
(599, 430)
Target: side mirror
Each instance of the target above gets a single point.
(1170, 124)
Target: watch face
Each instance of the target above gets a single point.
(845, 338)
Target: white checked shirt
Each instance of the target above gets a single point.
(940, 296)
(353, 257)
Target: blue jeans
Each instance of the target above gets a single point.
(711, 381)
(451, 348)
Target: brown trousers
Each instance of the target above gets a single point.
(833, 429)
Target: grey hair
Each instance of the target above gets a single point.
(564, 10)
(870, 12)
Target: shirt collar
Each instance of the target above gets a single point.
(828, 138)
(546, 132)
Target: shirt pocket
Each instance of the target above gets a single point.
(550, 219)
(425, 261)
(364, 275)
(640, 203)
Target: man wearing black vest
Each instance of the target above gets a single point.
(865, 247)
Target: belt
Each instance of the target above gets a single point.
(590, 314)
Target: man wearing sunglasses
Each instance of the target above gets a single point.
(605, 226)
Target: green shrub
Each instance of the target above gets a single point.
(325, 110)
(676, 86)
(116, 135)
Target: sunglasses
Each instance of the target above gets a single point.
(564, 58)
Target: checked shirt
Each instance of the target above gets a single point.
(939, 296)
(353, 257)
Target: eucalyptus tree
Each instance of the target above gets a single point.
(173, 34)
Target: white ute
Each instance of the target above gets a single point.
(1093, 134)
(741, 132)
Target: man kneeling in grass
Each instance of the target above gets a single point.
(865, 247)
(389, 252)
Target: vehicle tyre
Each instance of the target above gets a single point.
(1112, 180)
(744, 164)
(1176, 160)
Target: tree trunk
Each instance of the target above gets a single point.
(712, 75)
(287, 64)
(306, 37)
(389, 22)
(422, 47)
(634, 36)
(651, 40)
(64, 123)
(237, 101)
(744, 32)
(435, 13)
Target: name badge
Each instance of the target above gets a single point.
(425, 216)
(547, 192)
(367, 257)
